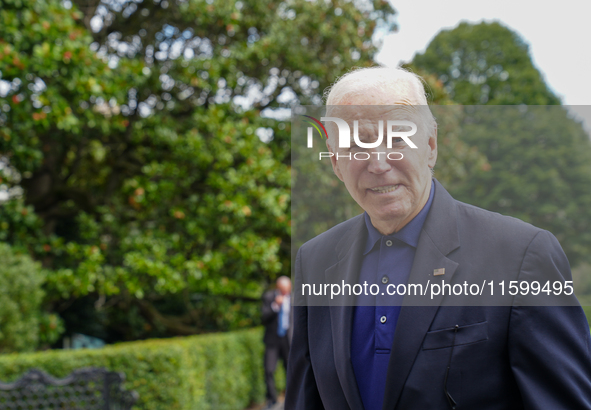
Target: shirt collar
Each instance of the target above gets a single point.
(409, 234)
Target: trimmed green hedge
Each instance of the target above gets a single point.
(219, 371)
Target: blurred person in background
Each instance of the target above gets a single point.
(277, 319)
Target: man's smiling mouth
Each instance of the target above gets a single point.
(385, 189)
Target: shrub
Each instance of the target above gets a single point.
(20, 295)
(221, 371)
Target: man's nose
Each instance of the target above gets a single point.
(378, 163)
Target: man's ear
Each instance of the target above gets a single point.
(333, 160)
(433, 148)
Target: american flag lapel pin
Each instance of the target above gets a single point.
(439, 272)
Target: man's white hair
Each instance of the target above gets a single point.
(363, 85)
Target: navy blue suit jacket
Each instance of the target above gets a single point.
(511, 357)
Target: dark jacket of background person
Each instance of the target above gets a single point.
(270, 319)
(276, 347)
(508, 357)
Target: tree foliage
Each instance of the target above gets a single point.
(485, 63)
(131, 154)
(24, 325)
(537, 158)
(539, 170)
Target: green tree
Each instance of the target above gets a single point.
(485, 63)
(23, 324)
(537, 158)
(145, 186)
(539, 170)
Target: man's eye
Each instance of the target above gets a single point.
(396, 140)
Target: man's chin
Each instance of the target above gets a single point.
(393, 219)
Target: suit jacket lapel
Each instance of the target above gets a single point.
(439, 237)
(350, 254)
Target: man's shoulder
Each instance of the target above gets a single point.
(483, 232)
(488, 223)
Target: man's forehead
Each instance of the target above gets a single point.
(377, 112)
(368, 117)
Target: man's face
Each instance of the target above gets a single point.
(391, 191)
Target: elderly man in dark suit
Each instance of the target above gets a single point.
(379, 354)
(276, 317)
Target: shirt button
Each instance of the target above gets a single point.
(383, 319)
(385, 279)
(388, 242)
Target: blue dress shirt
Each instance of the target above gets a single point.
(387, 260)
